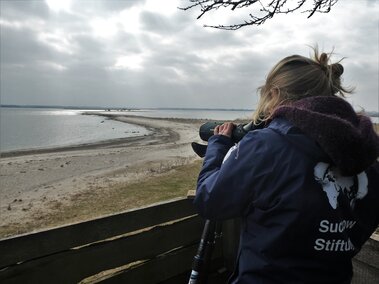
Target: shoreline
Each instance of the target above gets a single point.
(106, 142)
(96, 144)
(73, 147)
(37, 182)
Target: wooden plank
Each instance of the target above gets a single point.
(366, 263)
(162, 268)
(191, 194)
(30, 246)
(369, 253)
(157, 270)
(75, 265)
(364, 273)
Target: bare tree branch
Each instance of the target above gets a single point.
(322, 6)
(267, 9)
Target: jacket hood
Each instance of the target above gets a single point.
(348, 138)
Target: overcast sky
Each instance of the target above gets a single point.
(150, 54)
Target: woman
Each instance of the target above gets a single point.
(306, 185)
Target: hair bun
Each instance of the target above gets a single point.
(337, 70)
(324, 58)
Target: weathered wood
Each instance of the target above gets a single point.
(157, 270)
(74, 265)
(34, 245)
(366, 263)
(68, 254)
(364, 273)
(163, 267)
(369, 253)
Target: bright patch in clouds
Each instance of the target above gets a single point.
(53, 66)
(104, 27)
(31, 24)
(131, 62)
(124, 21)
(129, 19)
(59, 5)
(162, 7)
(12, 24)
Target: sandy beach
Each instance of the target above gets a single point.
(38, 183)
(34, 182)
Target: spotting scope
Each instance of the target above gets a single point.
(206, 130)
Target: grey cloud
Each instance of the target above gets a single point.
(23, 8)
(91, 51)
(83, 84)
(362, 77)
(100, 6)
(157, 23)
(187, 55)
(244, 68)
(19, 46)
(165, 25)
(178, 67)
(212, 39)
(127, 43)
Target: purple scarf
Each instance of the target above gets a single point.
(346, 137)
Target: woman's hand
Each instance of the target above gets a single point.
(225, 129)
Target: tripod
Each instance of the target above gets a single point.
(202, 259)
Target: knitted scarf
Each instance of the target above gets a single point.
(346, 137)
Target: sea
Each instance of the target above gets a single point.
(40, 128)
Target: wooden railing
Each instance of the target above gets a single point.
(147, 245)
(366, 262)
(153, 244)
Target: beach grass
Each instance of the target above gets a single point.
(169, 183)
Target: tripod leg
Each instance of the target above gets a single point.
(202, 259)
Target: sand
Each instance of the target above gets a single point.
(33, 181)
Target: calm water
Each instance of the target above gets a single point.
(31, 128)
(22, 128)
(192, 113)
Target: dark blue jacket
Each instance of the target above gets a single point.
(301, 221)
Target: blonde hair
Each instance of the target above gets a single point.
(296, 77)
